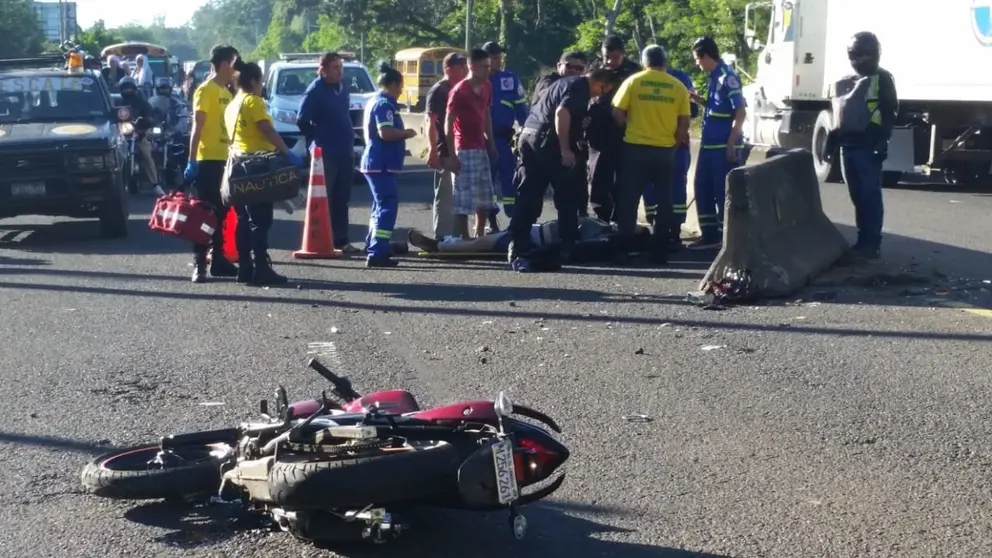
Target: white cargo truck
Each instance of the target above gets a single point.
(939, 52)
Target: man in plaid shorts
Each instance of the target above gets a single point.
(470, 126)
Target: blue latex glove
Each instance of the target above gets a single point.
(295, 159)
(192, 169)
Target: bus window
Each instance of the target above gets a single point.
(427, 67)
(411, 66)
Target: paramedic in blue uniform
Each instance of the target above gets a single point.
(863, 152)
(680, 176)
(722, 140)
(509, 106)
(385, 148)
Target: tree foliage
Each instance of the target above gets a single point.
(533, 32)
(21, 33)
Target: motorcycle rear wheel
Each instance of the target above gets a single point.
(126, 475)
(312, 482)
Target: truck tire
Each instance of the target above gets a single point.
(306, 481)
(114, 214)
(124, 475)
(825, 170)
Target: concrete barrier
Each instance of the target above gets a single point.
(775, 228)
(690, 229)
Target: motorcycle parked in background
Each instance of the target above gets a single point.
(169, 150)
(340, 470)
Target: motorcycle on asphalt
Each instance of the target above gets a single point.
(352, 468)
(169, 151)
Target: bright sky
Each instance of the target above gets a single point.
(117, 13)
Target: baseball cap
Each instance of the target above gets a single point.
(454, 59)
(492, 48)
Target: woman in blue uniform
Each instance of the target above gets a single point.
(385, 149)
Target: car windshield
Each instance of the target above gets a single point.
(50, 98)
(294, 81)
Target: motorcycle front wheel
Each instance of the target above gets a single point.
(134, 474)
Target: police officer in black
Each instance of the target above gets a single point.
(548, 144)
(604, 135)
(869, 106)
(571, 63)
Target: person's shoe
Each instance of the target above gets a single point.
(246, 269)
(867, 252)
(705, 244)
(348, 249)
(521, 265)
(422, 241)
(200, 269)
(220, 267)
(381, 261)
(399, 248)
(264, 275)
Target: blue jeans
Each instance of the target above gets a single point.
(338, 174)
(863, 175)
(385, 206)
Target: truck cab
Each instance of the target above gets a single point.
(287, 80)
(801, 52)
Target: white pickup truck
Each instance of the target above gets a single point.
(285, 82)
(939, 52)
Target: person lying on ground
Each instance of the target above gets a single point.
(597, 240)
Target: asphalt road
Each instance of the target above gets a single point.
(849, 421)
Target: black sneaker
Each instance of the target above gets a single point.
(265, 276)
(220, 267)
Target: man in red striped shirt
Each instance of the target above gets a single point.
(470, 127)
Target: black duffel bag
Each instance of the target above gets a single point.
(264, 177)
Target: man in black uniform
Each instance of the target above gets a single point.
(604, 135)
(869, 107)
(571, 63)
(548, 142)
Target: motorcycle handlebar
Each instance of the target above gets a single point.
(342, 387)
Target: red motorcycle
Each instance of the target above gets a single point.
(336, 470)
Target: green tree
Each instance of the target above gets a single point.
(94, 39)
(20, 31)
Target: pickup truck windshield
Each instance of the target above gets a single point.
(50, 98)
(294, 81)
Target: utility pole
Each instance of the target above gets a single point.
(469, 7)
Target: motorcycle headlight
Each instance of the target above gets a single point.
(284, 116)
(93, 162)
(156, 131)
(127, 128)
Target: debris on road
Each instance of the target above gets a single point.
(712, 347)
(637, 418)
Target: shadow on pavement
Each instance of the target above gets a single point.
(51, 442)
(481, 312)
(434, 533)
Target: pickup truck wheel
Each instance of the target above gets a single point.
(114, 217)
(826, 171)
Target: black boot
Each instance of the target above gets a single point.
(264, 274)
(220, 267)
(200, 268)
(246, 269)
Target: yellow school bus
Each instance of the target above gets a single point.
(159, 59)
(421, 69)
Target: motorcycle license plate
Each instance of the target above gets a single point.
(506, 474)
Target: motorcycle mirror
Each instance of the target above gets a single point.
(502, 406)
(123, 114)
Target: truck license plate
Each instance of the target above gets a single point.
(506, 474)
(27, 189)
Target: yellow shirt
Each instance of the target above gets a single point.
(243, 124)
(211, 99)
(653, 100)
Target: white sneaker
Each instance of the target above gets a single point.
(158, 191)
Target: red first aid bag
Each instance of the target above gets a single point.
(185, 217)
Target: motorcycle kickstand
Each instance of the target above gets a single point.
(518, 523)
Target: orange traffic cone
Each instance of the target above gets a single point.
(318, 242)
(230, 232)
